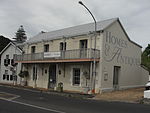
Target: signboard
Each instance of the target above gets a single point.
(52, 54)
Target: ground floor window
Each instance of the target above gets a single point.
(11, 77)
(7, 77)
(76, 76)
(34, 72)
(4, 76)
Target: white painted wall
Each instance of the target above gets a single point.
(67, 77)
(11, 50)
(42, 77)
(114, 54)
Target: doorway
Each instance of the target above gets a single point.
(83, 48)
(116, 77)
(34, 76)
(52, 76)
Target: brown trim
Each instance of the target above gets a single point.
(58, 60)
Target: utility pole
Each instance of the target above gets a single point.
(94, 59)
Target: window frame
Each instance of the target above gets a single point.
(34, 73)
(76, 78)
(33, 49)
(7, 56)
(62, 46)
(46, 47)
(11, 77)
(84, 43)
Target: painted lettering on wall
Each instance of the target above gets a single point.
(115, 41)
(113, 50)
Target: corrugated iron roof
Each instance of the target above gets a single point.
(71, 31)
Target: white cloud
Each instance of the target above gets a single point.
(47, 15)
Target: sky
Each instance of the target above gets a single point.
(49, 15)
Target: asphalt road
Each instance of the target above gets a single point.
(26, 101)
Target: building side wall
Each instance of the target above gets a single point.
(145, 75)
(119, 51)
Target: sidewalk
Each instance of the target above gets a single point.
(133, 95)
(50, 91)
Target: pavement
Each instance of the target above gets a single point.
(43, 90)
(132, 95)
(33, 101)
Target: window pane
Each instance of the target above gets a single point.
(33, 49)
(7, 56)
(11, 77)
(7, 77)
(83, 44)
(6, 72)
(61, 45)
(4, 76)
(76, 76)
(46, 48)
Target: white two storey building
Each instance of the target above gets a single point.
(67, 56)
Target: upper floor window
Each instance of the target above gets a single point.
(32, 49)
(46, 48)
(62, 46)
(7, 60)
(83, 44)
(6, 72)
(7, 56)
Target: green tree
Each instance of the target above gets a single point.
(20, 35)
(146, 57)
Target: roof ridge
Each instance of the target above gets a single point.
(71, 31)
(82, 24)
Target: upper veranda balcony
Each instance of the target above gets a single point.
(76, 55)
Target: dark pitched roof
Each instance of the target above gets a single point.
(4, 42)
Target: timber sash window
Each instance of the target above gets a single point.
(46, 48)
(32, 49)
(34, 72)
(83, 48)
(11, 77)
(5, 75)
(76, 76)
(62, 46)
(7, 56)
(7, 60)
(83, 44)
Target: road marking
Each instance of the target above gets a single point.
(16, 96)
(34, 106)
(26, 89)
(8, 96)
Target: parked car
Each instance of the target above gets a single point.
(147, 90)
(147, 86)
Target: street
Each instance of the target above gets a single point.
(22, 101)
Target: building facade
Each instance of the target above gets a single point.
(67, 56)
(10, 69)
